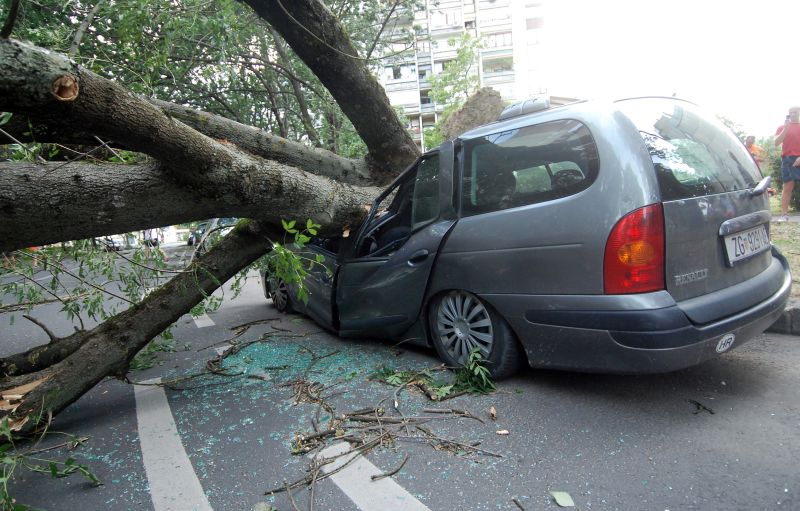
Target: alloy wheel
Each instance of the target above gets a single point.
(462, 324)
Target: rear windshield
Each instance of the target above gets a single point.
(693, 153)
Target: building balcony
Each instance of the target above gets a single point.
(401, 84)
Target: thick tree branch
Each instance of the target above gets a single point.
(320, 41)
(47, 203)
(266, 145)
(253, 140)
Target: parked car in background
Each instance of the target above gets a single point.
(196, 234)
(627, 237)
(112, 243)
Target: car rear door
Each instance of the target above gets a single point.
(381, 285)
(716, 217)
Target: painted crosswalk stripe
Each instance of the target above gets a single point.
(355, 480)
(174, 485)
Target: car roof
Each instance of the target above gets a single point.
(579, 109)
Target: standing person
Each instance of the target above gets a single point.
(755, 151)
(788, 135)
(151, 241)
(150, 238)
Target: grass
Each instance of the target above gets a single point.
(786, 236)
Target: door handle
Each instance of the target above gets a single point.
(418, 257)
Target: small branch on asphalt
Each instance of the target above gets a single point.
(393, 472)
(517, 502)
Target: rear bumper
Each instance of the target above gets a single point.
(636, 334)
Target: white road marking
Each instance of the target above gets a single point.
(356, 482)
(203, 320)
(173, 482)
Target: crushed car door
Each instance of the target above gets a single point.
(381, 285)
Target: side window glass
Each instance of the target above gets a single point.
(425, 204)
(411, 204)
(527, 165)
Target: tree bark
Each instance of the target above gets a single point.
(253, 140)
(46, 203)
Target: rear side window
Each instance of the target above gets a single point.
(693, 153)
(527, 165)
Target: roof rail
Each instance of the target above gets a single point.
(527, 106)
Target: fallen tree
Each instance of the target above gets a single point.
(198, 165)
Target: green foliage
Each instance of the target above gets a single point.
(473, 378)
(12, 459)
(87, 280)
(453, 85)
(288, 262)
(457, 81)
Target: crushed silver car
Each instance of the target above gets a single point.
(628, 236)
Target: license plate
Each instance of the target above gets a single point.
(746, 243)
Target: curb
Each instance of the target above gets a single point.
(789, 322)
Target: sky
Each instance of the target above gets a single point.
(734, 58)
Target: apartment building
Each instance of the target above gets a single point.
(509, 61)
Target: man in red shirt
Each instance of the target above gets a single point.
(789, 136)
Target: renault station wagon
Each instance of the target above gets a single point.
(618, 237)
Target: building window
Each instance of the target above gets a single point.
(497, 40)
(425, 98)
(424, 71)
(441, 65)
(469, 24)
(424, 46)
(399, 72)
(501, 65)
(448, 18)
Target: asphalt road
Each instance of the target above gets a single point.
(720, 436)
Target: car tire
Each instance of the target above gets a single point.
(459, 321)
(281, 299)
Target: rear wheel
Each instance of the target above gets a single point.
(280, 297)
(460, 322)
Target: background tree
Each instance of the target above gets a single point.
(457, 81)
(176, 58)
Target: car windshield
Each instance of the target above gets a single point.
(694, 154)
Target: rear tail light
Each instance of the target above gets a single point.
(634, 258)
